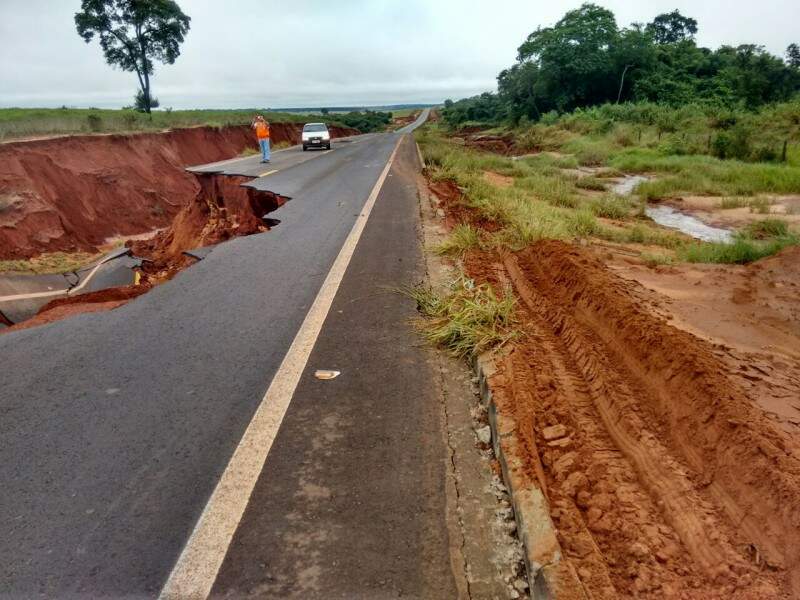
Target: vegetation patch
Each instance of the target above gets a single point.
(740, 251)
(766, 229)
(468, 320)
(463, 238)
(51, 262)
(31, 122)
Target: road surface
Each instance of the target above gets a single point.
(118, 427)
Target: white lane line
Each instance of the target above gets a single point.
(194, 574)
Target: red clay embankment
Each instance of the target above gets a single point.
(73, 193)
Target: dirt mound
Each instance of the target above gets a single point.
(664, 479)
(62, 308)
(73, 193)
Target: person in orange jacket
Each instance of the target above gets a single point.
(262, 133)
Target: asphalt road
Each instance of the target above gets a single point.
(117, 426)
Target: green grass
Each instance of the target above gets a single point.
(740, 251)
(462, 239)
(52, 262)
(654, 260)
(468, 320)
(766, 229)
(590, 183)
(545, 203)
(705, 175)
(611, 206)
(32, 122)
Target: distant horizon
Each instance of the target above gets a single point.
(308, 108)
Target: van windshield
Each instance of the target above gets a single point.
(315, 127)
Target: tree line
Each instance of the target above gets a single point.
(586, 60)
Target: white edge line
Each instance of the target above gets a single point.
(194, 573)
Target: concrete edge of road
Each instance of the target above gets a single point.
(547, 573)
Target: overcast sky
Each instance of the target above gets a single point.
(277, 53)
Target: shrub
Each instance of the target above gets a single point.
(469, 320)
(463, 238)
(549, 118)
(740, 251)
(590, 183)
(766, 229)
(95, 122)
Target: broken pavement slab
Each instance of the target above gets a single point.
(548, 575)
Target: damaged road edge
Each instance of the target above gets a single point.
(548, 576)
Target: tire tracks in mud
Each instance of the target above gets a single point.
(635, 516)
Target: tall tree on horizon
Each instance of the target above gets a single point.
(134, 34)
(669, 28)
(793, 56)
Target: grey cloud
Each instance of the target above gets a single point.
(316, 52)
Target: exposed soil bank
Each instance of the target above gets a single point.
(221, 209)
(73, 193)
(665, 477)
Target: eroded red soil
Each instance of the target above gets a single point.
(222, 209)
(73, 193)
(62, 308)
(665, 476)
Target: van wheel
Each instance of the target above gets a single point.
(305, 147)
(328, 147)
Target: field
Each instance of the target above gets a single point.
(20, 123)
(558, 194)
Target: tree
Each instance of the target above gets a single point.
(325, 111)
(576, 67)
(793, 56)
(140, 102)
(134, 34)
(669, 28)
(633, 51)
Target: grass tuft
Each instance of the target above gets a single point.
(766, 229)
(740, 251)
(462, 239)
(468, 320)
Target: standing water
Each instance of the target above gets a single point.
(669, 217)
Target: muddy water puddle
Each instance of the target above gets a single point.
(675, 219)
(668, 216)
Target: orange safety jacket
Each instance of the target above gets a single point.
(262, 131)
